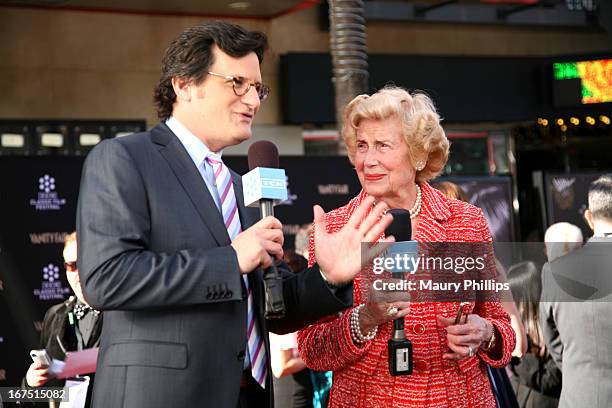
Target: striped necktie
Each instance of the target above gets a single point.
(229, 210)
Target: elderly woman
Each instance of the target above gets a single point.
(397, 145)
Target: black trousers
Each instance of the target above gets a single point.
(251, 393)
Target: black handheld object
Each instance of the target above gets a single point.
(462, 313)
(401, 226)
(400, 357)
(399, 347)
(265, 154)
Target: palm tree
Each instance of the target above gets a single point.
(349, 54)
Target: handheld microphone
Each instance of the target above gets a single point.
(264, 186)
(403, 251)
(399, 347)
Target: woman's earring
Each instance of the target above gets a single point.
(420, 165)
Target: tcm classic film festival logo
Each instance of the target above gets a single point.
(48, 198)
(51, 286)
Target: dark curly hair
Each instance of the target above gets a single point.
(190, 56)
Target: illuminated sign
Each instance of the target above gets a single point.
(583, 82)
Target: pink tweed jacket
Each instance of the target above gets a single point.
(360, 373)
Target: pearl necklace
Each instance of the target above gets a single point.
(416, 208)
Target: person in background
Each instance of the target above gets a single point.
(536, 378)
(321, 380)
(302, 236)
(576, 305)
(452, 190)
(502, 387)
(562, 238)
(292, 382)
(69, 326)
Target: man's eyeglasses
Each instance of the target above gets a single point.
(242, 85)
(70, 266)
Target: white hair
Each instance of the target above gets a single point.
(600, 198)
(561, 239)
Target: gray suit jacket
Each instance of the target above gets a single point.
(154, 254)
(576, 318)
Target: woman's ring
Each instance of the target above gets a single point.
(470, 351)
(392, 310)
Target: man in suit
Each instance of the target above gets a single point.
(170, 253)
(575, 308)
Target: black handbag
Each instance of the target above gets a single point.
(502, 388)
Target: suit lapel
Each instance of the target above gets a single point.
(190, 179)
(245, 221)
(65, 332)
(248, 217)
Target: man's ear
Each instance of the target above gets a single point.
(182, 88)
(588, 217)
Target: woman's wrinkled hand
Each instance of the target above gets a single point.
(341, 255)
(465, 339)
(382, 307)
